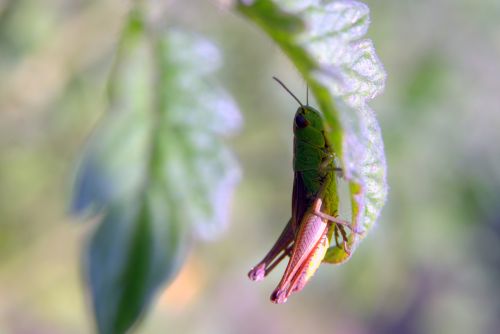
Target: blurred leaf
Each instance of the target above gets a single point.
(155, 168)
(132, 253)
(343, 72)
(427, 82)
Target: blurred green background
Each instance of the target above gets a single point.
(432, 265)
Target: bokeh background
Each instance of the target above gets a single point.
(432, 264)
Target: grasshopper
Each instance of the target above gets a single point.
(307, 235)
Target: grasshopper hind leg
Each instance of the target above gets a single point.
(281, 249)
(345, 245)
(339, 228)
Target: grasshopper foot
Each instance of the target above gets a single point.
(346, 248)
(279, 296)
(257, 273)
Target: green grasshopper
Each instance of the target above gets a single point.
(315, 202)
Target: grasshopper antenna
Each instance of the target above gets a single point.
(307, 94)
(288, 90)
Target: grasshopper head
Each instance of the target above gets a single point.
(307, 116)
(308, 126)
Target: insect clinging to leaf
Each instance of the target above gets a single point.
(313, 225)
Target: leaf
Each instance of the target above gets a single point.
(343, 72)
(156, 169)
(132, 253)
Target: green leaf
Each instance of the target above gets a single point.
(156, 169)
(343, 72)
(132, 253)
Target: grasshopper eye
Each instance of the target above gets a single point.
(300, 121)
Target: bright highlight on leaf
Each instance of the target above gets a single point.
(324, 40)
(156, 169)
